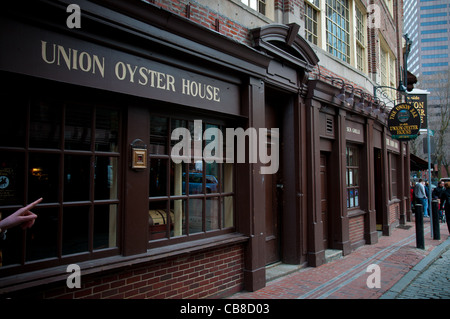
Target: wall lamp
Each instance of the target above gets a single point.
(341, 95)
(362, 100)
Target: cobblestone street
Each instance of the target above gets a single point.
(433, 283)
(406, 272)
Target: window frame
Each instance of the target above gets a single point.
(221, 195)
(351, 168)
(39, 94)
(313, 7)
(337, 28)
(360, 37)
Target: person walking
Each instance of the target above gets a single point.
(421, 196)
(445, 201)
(437, 193)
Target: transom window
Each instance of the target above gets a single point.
(190, 197)
(68, 153)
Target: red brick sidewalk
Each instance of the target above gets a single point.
(346, 278)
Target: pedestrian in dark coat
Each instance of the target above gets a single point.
(445, 200)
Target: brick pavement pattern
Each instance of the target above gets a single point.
(346, 278)
(433, 283)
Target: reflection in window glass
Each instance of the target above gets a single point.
(212, 178)
(178, 216)
(43, 177)
(157, 220)
(198, 194)
(195, 215)
(227, 210)
(212, 213)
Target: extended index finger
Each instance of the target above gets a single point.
(30, 206)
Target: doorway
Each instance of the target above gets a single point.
(274, 182)
(324, 207)
(378, 160)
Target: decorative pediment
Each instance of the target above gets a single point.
(284, 42)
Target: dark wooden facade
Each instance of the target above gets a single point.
(292, 216)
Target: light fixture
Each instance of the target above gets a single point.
(360, 104)
(341, 95)
(350, 99)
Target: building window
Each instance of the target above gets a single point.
(67, 153)
(311, 21)
(394, 176)
(338, 29)
(186, 198)
(352, 176)
(257, 5)
(360, 39)
(388, 71)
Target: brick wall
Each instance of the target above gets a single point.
(212, 273)
(206, 17)
(356, 229)
(394, 213)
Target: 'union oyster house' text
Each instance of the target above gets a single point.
(75, 60)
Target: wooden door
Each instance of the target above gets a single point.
(324, 199)
(274, 191)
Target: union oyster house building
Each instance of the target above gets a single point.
(92, 110)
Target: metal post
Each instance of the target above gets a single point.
(429, 176)
(435, 220)
(420, 240)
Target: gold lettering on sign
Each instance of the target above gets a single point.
(72, 59)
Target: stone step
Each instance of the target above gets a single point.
(332, 255)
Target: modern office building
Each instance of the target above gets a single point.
(427, 23)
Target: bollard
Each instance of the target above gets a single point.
(420, 240)
(435, 219)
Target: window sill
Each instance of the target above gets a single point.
(355, 212)
(51, 275)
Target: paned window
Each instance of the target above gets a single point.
(67, 153)
(257, 5)
(352, 176)
(360, 39)
(311, 21)
(193, 196)
(338, 29)
(394, 176)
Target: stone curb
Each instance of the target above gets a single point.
(395, 290)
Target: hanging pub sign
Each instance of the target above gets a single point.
(404, 122)
(418, 98)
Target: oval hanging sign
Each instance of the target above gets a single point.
(404, 122)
